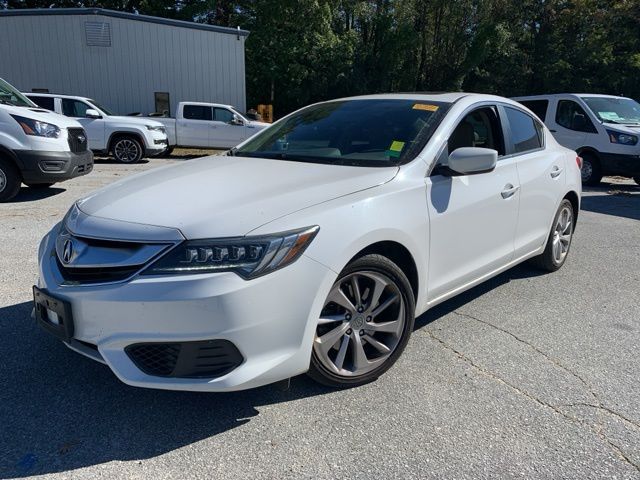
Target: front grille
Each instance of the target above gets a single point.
(95, 275)
(77, 140)
(200, 359)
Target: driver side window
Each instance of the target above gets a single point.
(74, 108)
(479, 128)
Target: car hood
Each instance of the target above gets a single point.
(134, 121)
(224, 196)
(42, 115)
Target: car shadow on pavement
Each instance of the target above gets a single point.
(28, 194)
(615, 199)
(60, 411)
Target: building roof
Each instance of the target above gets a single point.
(129, 16)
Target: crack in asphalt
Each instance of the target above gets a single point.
(598, 429)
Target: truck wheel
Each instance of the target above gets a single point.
(9, 180)
(38, 185)
(127, 150)
(591, 172)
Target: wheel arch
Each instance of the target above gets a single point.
(575, 203)
(590, 151)
(398, 254)
(124, 134)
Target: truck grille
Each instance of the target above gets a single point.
(77, 140)
(200, 359)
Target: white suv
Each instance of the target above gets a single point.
(312, 246)
(37, 147)
(128, 139)
(603, 129)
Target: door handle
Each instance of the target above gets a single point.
(553, 131)
(555, 173)
(509, 190)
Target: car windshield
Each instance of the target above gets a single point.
(358, 132)
(100, 107)
(11, 96)
(615, 110)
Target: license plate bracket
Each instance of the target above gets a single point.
(53, 314)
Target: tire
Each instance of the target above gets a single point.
(637, 179)
(347, 325)
(38, 186)
(9, 180)
(591, 172)
(127, 149)
(550, 260)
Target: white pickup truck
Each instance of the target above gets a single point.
(128, 139)
(208, 125)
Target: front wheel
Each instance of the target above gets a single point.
(127, 150)
(559, 241)
(365, 323)
(591, 172)
(9, 180)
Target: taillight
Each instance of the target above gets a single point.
(579, 162)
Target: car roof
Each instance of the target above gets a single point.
(556, 95)
(56, 95)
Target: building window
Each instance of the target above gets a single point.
(163, 106)
(98, 34)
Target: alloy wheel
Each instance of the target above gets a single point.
(3, 180)
(361, 324)
(562, 234)
(126, 151)
(587, 170)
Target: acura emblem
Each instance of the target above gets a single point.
(67, 251)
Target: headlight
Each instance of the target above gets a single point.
(622, 138)
(249, 257)
(37, 128)
(154, 128)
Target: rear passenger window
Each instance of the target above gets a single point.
(525, 131)
(539, 107)
(44, 102)
(197, 112)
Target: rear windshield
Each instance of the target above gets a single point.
(371, 133)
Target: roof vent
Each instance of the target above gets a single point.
(98, 34)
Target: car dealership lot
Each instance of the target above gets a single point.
(528, 375)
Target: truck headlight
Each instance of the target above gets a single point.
(249, 257)
(155, 128)
(622, 138)
(37, 128)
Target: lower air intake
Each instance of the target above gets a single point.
(201, 359)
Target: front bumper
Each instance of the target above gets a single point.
(52, 167)
(271, 320)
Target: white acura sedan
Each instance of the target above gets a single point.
(310, 247)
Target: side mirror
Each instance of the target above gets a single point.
(236, 120)
(472, 160)
(91, 113)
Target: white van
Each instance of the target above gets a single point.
(37, 147)
(128, 139)
(603, 129)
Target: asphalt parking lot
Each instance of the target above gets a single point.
(530, 375)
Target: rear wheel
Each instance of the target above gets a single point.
(9, 180)
(591, 172)
(365, 323)
(559, 241)
(127, 150)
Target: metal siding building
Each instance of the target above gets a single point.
(121, 59)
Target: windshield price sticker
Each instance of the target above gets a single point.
(425, 106)
(395, 149)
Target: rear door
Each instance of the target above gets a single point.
(542, 178)
(472, 217)
(226, 134)
(193, 125)
(94, 127)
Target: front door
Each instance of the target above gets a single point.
(226, 134)
(194, 125)
(472, 217)
(94, 127)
